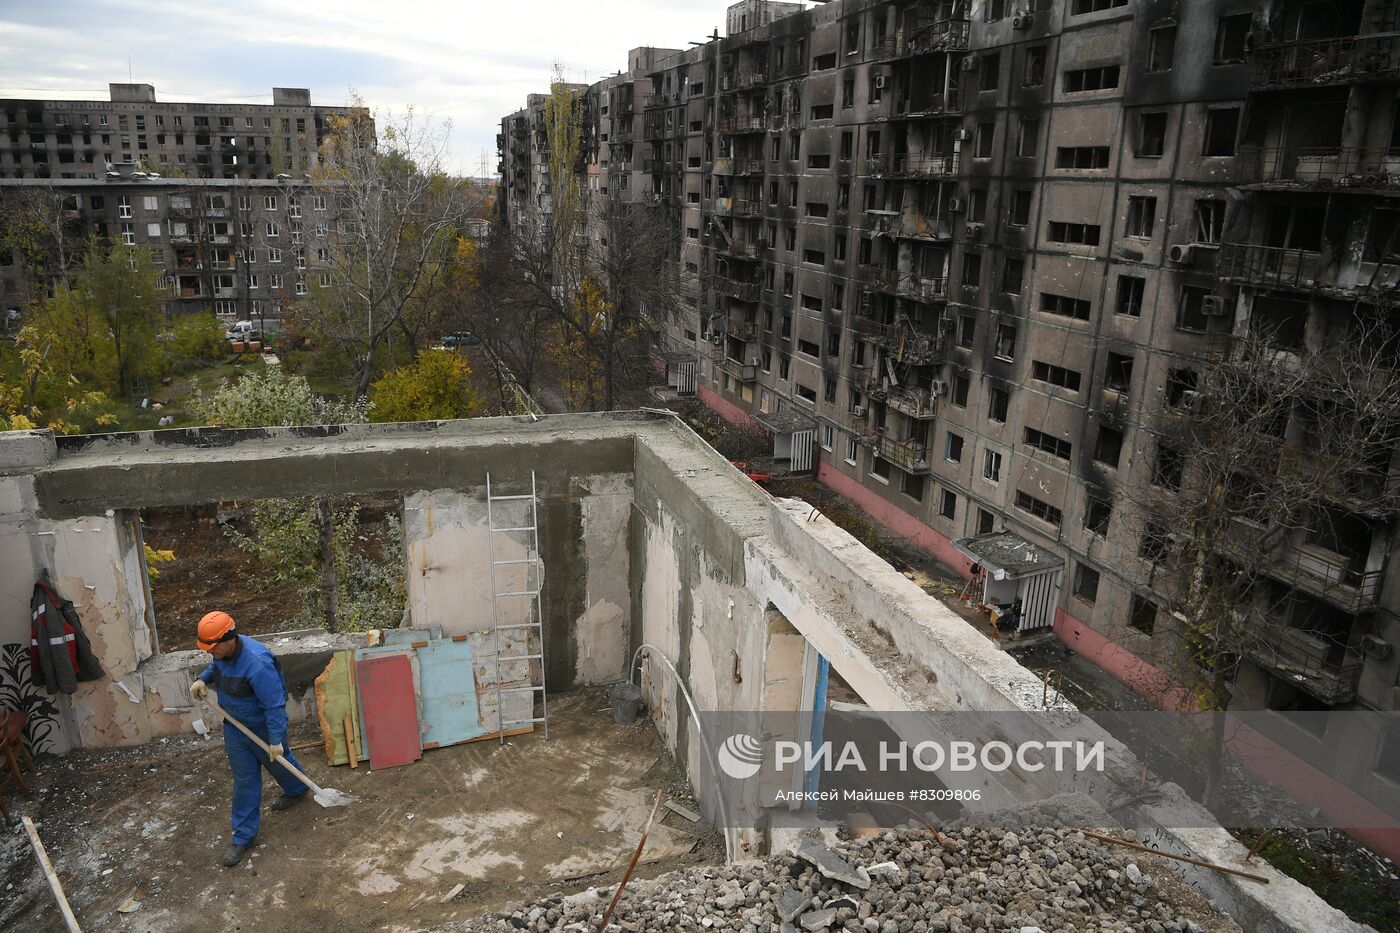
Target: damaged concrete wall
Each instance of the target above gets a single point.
(69, 504)
(585, 559)
(695, 513)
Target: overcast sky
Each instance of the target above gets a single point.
(467, 61)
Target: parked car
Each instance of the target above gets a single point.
(463, 338)
(244, 330)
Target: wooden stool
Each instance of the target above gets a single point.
(7, 750)
(13, 725)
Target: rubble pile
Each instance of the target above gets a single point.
(904, 881)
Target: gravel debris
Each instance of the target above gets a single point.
(904, 881)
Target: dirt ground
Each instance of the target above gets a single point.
(524, 820)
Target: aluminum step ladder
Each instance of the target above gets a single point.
(534, 627)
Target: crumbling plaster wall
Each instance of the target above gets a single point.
(68, 506)
(448, 552)
(694, 513)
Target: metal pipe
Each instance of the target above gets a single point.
(729, 845)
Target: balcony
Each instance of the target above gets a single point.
(740, 290)
(924, 165)
(913, 225)
(911, 346)
(1321, 167)
(944, 35)
(881, 278)
(911, 456)
(947, 102)
(1322, 62)
(744, 372)
(1275, 266)
(739, 208)
(741, 249)
(1325, 669)
(916, 403)
(744, 330)
(1330, 577)
(733, 126)
(868, 326)
(919, 288)
(749, 167)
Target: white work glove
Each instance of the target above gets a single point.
(199, 689)
(275, 751)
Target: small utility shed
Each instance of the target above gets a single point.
(1014, 568)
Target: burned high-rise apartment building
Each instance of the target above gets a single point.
(966, 261)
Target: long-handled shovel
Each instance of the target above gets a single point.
(325, 796)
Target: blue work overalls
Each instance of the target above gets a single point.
(251, 689)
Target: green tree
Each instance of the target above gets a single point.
(310, 543)
(98, 332)
(436, 387)
(197, 337)
(396, 239)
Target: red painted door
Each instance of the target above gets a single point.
(390, 710)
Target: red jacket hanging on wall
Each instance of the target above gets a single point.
(59, 653)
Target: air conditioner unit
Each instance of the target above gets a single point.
(1181, 254)
(1022, 22)
(755, 362)
(962, 134)
(1215, 306)
(880, 81)
(969, 63)
(973, 231)
(1373, 646)
(938, 388)
(956, 205)
(858, 411)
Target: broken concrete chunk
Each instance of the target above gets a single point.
(791, 904)
(885, 870)
(831, 865)
(836, 903)
(818, 919)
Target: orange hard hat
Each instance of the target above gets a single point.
(214, 628)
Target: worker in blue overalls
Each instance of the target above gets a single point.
(249, 682)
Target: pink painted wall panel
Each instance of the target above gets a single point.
(390, 710)
(725, 409)
(894, 518)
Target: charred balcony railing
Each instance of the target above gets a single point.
(741, 249)
(1277, 266)
(882, 278)
(1329, 167)
(911, 456)
(922, 288)
(1320, 62)
(739, 289)
(916, 403)
(1328, 671)
(948, 101)
(925, 165)
(733, 126)
(943, 35)
(1330, 577)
